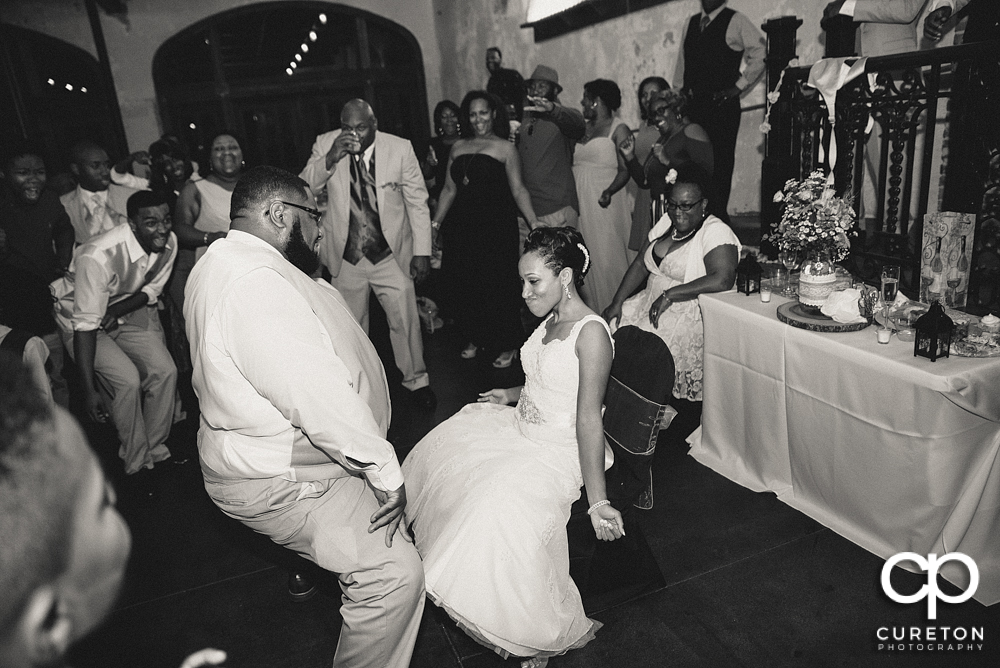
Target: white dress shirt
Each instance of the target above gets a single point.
(107, 269)
(849, 6)
(289, 384)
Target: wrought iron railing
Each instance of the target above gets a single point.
(914, 96)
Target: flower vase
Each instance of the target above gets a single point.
(817, 279)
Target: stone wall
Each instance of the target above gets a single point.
(625, 50)
(132, 45)
(453, 36)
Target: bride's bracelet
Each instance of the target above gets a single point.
(605, 502)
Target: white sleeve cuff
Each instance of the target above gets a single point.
(85, 325)
(848, 7)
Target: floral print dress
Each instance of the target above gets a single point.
(680, 326)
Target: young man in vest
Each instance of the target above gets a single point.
(716, 43)
(106, 311)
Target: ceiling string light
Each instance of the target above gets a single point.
(313, 35)
(69, 87)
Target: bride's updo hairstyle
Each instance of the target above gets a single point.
(560, 247)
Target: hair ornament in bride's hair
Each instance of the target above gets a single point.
(671, 177)
(586, 258)
(557, 247)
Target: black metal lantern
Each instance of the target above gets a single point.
(934, 330)
(748, 274)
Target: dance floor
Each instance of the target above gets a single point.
(750, 581)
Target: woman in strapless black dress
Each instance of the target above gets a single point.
(477, 221)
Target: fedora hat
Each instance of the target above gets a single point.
(546, 73)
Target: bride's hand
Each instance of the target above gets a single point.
(494, 396)
(608, 523)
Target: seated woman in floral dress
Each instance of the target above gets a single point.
(688, 253)
(490, 489)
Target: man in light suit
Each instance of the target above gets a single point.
(96, 204)
(377, 230)
(983, 24)
(887, 26)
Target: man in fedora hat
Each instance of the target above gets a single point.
(545, 141)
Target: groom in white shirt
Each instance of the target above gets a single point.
(294, 414)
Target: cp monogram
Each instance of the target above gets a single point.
(930, 590)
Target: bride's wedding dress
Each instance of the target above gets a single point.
(490, 491)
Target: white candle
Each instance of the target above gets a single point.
(883, 334)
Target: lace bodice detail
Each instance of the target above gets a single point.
(547, 407)
(672, 267)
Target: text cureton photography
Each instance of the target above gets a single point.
(930, 638)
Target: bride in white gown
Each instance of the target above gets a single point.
(491, 488)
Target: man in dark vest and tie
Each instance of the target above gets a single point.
(717, 42)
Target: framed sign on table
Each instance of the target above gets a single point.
(945, 257)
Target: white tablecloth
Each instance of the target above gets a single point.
(893, 452)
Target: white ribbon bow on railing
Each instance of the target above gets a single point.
(828, 76)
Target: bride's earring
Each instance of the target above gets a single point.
(566, 290)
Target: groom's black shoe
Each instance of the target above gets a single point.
(424, 398)
(300, 590)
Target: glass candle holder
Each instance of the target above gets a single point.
(765, 291)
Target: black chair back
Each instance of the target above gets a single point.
(642, 377)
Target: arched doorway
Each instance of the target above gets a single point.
(235, 71)
(51, 92)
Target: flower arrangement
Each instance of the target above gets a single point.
(813, 219)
